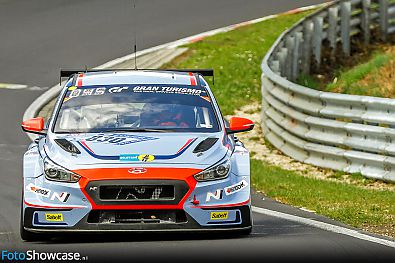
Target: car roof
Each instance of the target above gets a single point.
(135, 77)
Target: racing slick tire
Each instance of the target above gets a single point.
(245, 232)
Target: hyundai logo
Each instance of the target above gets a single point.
(137, 170)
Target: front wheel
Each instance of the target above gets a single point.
(248, 230)
(245, 232)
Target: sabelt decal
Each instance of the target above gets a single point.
(223, 215)
(236, 187)
(38, 190)
(216, 195)
(54, 217)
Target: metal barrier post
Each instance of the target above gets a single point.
(365, 21)
(384, 18)
(345, 27)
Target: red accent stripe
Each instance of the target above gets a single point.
(220, 206)
(84, 143)
(79, 81)
(185, 145)
(52, 207)
(193, 79)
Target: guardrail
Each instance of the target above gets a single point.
(338, 131)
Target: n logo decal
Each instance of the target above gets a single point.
(61, 197)
(216, 195)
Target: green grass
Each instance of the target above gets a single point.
(236, 57)
(309, 81)
(348, 80)
(372, 76)
(344, 202)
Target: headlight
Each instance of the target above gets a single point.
(218, 171)
(55, 172)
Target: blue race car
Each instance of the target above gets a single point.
(136, 150)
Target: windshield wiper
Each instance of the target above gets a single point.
(138, 130)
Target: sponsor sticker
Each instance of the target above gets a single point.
(236, 187)
(129, 157)
(146, 158)
(54, 217)
(136, 158)
(38, 190)
(74, 92)
(47, 193)
(117, 89)
(119, 139)
(168, 90)
(216, 195)
(223, 215)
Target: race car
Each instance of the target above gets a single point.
(135, 150)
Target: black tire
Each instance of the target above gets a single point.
(25, 234)
(246, 232)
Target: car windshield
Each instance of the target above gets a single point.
(166, 108)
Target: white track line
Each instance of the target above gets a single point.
(12, 86)
(324, 226)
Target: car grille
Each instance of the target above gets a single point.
(136, 192)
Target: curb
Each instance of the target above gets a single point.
(50, 94)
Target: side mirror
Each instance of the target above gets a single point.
(35, 125)
(238, 124)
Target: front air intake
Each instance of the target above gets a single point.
(136, 192)
(205, 145)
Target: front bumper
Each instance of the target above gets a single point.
(242, 221)
(215, 210)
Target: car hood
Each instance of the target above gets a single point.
(136, 148)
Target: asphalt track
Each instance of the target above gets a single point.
(39, 37)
